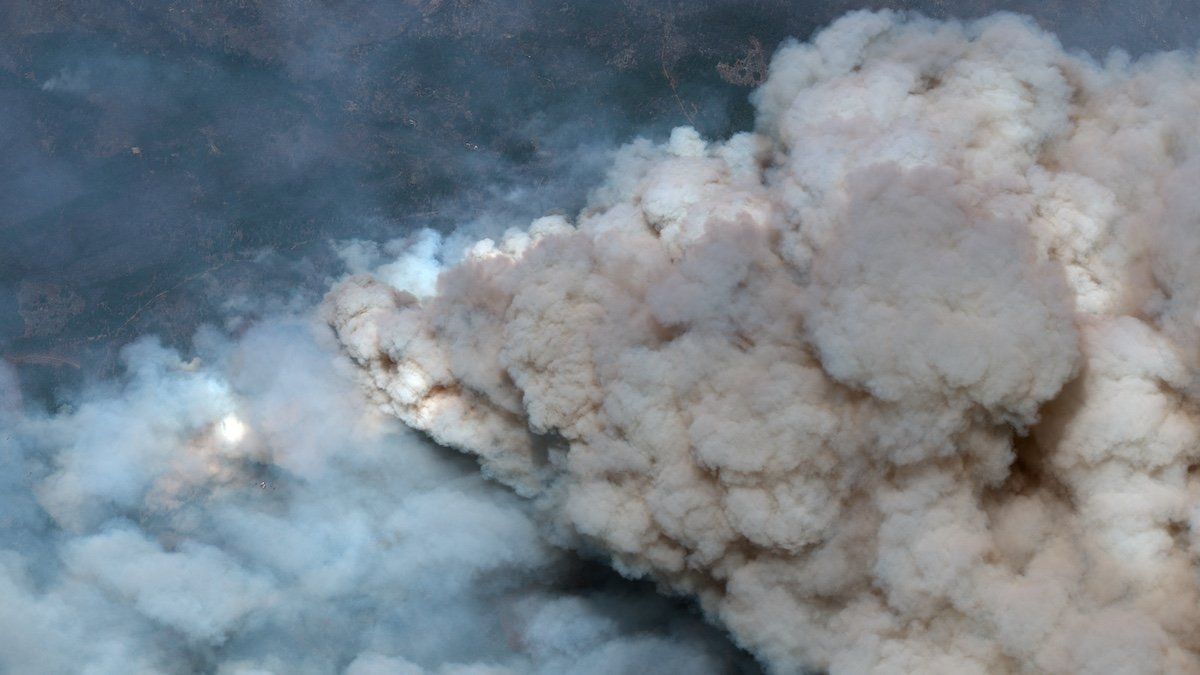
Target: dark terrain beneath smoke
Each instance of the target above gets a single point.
(155, 150)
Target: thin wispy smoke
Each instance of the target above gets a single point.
(903, 381)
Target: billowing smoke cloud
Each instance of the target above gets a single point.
(245, 511)
(903, 381)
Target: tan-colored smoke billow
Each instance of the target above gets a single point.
(906, 381)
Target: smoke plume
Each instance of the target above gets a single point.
(247, 512)
(903, 381)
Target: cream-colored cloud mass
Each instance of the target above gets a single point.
(903, 381)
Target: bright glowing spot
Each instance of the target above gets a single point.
(231, 429)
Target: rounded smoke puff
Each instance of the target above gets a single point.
(902, 382)
(231, 430)
(149, 529)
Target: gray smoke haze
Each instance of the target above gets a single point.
(246, 511)
(193, 476)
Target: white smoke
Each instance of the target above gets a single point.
(904, 381)
(247, 512)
